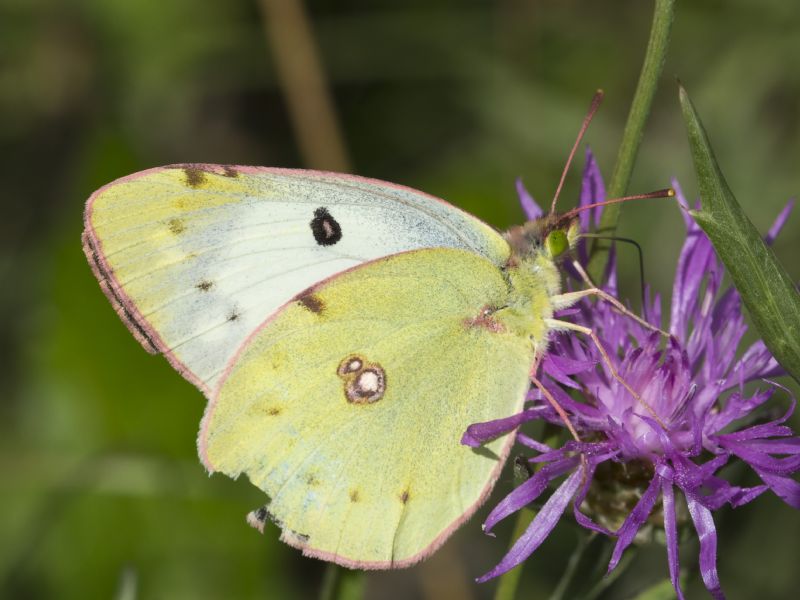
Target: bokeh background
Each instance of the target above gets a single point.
(100, 486)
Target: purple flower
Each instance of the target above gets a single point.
(622, 476)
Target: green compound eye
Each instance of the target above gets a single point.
(556, 243)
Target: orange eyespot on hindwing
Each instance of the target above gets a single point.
(364, 382)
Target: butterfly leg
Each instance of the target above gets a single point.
(562, 325)
(570, 298)
(557, 407)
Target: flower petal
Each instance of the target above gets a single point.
(671, 531)
(529, 206)
(541, 526)
(635, 520)
(581, 518)
(528, 441)
(478, 434)
(707, 533)
(527, 492)
(681, 198)
(779, 222)
(785, 488)
(592, 190)
(695, 261)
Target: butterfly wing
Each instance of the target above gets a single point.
(348, 406)
(195, 257)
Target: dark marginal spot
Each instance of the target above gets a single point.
(233, 315)
(404, 497)
(176, 226)
(194, 177)
(205, 285)
(229, 171)
(312, 481)
(325, 228)
(301, 538)
(312, 303)
(257, 518)
(354, 496)
(273, 411)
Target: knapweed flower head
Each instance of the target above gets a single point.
(694, 417)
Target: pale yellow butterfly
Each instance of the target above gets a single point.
(346, 331)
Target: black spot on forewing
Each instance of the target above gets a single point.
(311, 302)
(325, 228)
(354, 496)
(176, 226)
(233, 316)
(205, 285)
(405, 496)
(274, 411)
(194, 177)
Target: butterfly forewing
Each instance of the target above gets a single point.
(195, 257)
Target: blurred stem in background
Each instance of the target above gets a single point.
(508, 582)
(650, 74)
(319, 136)
(304, 85)
(342, 584)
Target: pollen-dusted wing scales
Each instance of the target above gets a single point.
(195, 257)
(347, 408)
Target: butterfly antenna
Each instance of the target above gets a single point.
(665, 193)
(627, 241)
(596, 100)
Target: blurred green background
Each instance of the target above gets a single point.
(100, 484)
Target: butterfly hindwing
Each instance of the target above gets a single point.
(195, 257)
(348, 406)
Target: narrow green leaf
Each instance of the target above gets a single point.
(766, 289)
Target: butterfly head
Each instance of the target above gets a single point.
(552, 236)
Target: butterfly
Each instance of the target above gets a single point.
(346, 332)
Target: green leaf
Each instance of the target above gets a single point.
(766, 289)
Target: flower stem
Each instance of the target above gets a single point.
(572, 566)
(508, 581)
(634, 127)
(606, 581)
(339, 583)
